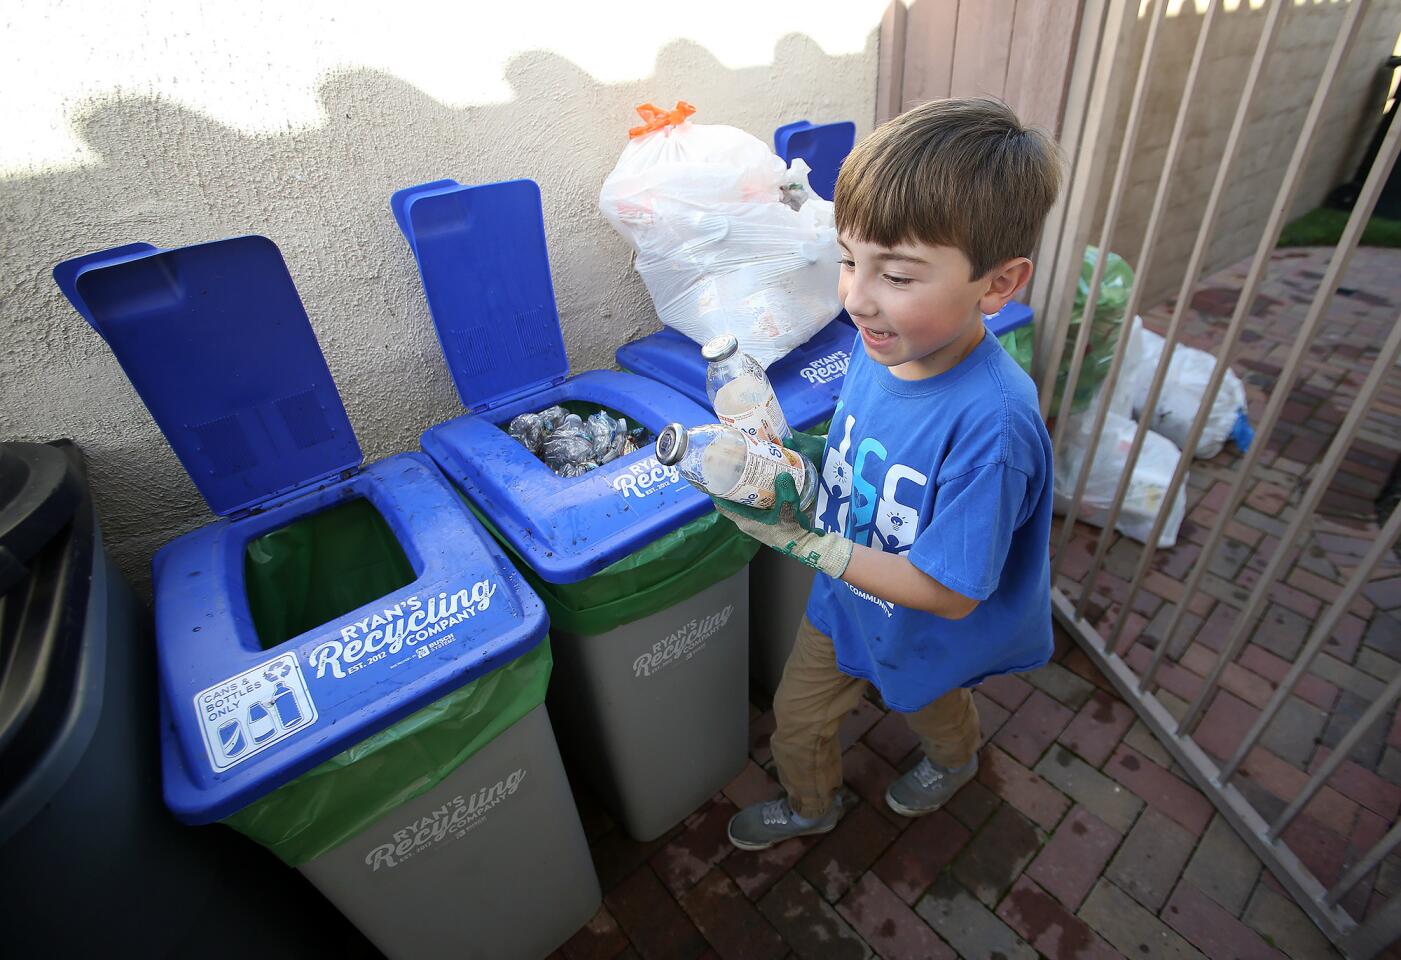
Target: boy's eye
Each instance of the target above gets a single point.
(898, 281)
(847, 264)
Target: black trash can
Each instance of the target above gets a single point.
(89, 856)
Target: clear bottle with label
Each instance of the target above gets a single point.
(724, 462)
(740, 391)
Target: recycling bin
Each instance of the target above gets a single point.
(807, 383)
(350, 671)
(645, 584)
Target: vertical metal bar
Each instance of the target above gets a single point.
(1145, 258)
(1322, 630)
(1366, 865)
(1088, 168)
(1284, 553)
(1284, 201)
(1247, 297)
(1367, 940)
(1313, 493)
(1195, 264)
(1106, 236)
(1371, 715)
(1328, 286)
(1296, 878)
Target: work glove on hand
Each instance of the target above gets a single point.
(786, 529)
(810, 445)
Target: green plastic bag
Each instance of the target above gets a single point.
(326, 564)
(667, 571)
(1114, 290)
(1019, 344)
(333, 802)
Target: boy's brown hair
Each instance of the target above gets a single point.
(962, 173)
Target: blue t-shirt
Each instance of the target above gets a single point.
(953, 472)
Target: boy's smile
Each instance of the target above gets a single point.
(918, 311)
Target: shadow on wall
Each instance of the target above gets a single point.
(171, 176)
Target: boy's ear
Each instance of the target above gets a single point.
(1003, 281)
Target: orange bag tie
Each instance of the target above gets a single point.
(655, 118)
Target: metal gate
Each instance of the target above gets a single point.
(1100, 69)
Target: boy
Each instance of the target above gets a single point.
(933, 516)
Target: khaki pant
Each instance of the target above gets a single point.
(812, 699)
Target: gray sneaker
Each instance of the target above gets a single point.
(926, 787)
(762, 825)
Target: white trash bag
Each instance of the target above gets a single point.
(1156, 463)
(728, 239)
(1182, 393)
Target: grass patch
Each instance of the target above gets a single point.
(1324, 226)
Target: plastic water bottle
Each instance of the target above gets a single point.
(285, 706)
(740, 391)
(724, 462)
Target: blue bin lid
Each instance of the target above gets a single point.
(824, 146)
(1011, 317)
(240, 721)
(486, 274)
(216, 341)
(807, 381)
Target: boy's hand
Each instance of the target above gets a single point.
(777, 527)
(810, 445)
(785, 507)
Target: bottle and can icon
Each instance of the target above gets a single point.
(260, 725)
(231, 738)
(285, 706)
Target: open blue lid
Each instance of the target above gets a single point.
(486, 275)
(216, 341)
(807, 381)
(824, 146)
(1011, 317)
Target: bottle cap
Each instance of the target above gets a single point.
(719, 348)
(671, 444)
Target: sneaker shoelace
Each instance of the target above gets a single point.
(927, 775)
(775, 813)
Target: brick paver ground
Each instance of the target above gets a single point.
(1080, 837)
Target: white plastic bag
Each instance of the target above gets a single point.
(1182, 393)
(1156, 463)
(727, 238)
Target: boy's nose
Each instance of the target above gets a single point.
(857, 303)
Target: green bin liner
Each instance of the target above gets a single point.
(313, 571)
(333, 802)
(322, 566)
(1114, 291)
(668, 570)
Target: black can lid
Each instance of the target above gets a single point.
(671, 444)
(43, 620)
(40, 487)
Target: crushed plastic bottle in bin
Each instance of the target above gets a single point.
(570, 445)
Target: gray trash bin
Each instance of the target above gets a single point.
(645, 584)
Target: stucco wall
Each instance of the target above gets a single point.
(1305, 36)
(185, 123)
